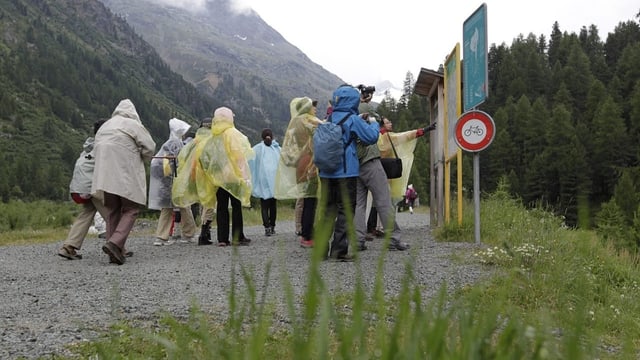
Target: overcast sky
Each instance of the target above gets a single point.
(366, 41)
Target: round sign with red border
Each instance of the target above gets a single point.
(474, 131)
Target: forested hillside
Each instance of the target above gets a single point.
(63, 64)
(567, 114)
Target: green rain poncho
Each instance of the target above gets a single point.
(297, 176)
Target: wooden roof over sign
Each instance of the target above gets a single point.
(427, 82)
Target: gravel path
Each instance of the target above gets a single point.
(48, 301)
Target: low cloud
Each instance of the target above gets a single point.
(236, 6)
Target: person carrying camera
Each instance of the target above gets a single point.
(372, 178)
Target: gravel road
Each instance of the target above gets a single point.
(48, 302)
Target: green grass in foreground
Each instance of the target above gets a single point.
(555, 293)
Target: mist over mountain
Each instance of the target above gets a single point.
(233, 56)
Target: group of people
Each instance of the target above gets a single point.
(218, 167)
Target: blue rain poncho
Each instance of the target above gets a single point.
(263, 169)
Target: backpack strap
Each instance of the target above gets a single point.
(344, 154)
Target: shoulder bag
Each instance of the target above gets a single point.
(392, 166)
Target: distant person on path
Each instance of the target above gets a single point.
(80, 189)
(263, 175)
(410, 197)
(297, 176)
(122, 145)
(163, 170)
(338, 188)
(224, 160)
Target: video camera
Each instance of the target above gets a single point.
(365, 90)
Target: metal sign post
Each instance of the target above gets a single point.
(475, 130)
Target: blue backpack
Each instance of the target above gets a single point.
(328, 147)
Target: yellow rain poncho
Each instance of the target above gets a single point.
(405, 144)
(297, 176)
(191, 185)
(224, 159)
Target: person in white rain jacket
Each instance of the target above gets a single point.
(163, 170)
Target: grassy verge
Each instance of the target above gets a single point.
(46, 222)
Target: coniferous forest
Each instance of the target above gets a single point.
(567, 116)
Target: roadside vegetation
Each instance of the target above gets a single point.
(554, 293)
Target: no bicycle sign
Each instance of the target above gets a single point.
(474, 131)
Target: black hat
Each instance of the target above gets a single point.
(267, 132)
(206, 122)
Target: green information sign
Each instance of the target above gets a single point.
(475, 59)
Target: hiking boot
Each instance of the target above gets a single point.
(243, 242)
(223, 243)
(399, 246)
(114, 252)
(306, 243)
(203, 241)
(125, 253)
(267, 231)
(69, 252)
(205, 235)
(362, 247)
(273, 230)
(342, 258)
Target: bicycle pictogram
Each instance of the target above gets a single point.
(477, 130)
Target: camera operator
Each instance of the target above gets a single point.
(373, 178)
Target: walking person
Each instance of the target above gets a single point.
(410, 197)
(224, 159)
(263, 175)
(80, 189)
(338, 188)
(163, 171)
(297, 175)
(122, 145)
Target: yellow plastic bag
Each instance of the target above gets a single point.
(166, 167)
